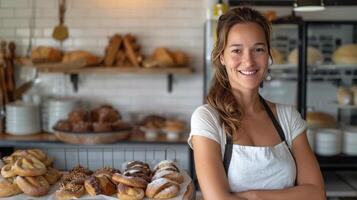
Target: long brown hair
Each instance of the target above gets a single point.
(220, 95)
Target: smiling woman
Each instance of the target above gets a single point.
(244, 146)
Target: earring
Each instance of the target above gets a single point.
(270, 61)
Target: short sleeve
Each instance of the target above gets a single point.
(297, 123)
(204, 123)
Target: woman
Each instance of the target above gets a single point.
(261, 146)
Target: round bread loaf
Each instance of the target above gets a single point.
(314, 56)
(346, 54)
(320, 120)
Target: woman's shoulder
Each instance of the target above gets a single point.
(206, 111)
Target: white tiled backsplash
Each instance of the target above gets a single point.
(171, 23)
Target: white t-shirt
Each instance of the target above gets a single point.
(254, 167)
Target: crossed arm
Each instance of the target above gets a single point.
(214, 184)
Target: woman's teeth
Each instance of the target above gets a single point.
(251, 72)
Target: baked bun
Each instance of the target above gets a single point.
(346, 54)
(278, 57)
(96, 185)
(166, 165)
(162, 188)
(70, 190)
(176, 177)
(42, 54)
(52, 175)
(314, 56)
(180, 58)
(8, 171)
(102, 127)
(130, 181)
(106, 171)
(8, 187)
(105, 114)
(88, 58)
(163, 56)
(320, 120)
(175, 126)
(29, 166)
(82, 127)
(63, 125)
(33, 186)
(130, 193)
(77, 116)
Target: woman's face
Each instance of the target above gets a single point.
(245, 56)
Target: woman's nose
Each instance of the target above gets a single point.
(247, 58)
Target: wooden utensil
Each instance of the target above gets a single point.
(10, 70)
(60, 32)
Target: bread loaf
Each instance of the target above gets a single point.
(44, 54)
(79, 55)
(314, 56)
(346, 54)
(320, 120)
(278, 57)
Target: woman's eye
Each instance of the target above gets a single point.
(236, 51)
(259, 50)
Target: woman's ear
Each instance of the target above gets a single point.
(222, 60)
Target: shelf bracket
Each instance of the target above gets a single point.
(170, 79)
(74, 80)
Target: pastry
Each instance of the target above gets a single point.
(105, 114)
(70, 190)
(63, 125)
(77, 116)
(163, 56)
(176, 177)
(88, 58)
(180, 58)
(167, 165)
(8, 171)
(29, 166)
(130, 193)
(175, 126)
(346, 54)
(8, 187)
(52, 175)
(96, 185)
(162, 188)
(106, 171)
(102, 127)
(42, 54)
(137, 173)
(134, 163)
(120, 125)
(82, 127)
(33, 186)
(130, 181)
(129, 41)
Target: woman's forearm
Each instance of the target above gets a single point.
(297, 192)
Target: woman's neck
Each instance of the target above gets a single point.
(249, 100)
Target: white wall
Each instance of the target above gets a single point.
(170, 23)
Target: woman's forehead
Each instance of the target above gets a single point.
(246, 34)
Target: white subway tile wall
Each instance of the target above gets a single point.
(177, 25)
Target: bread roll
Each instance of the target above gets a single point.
(346, 54)
(278, 57)
(88, 58)
(162, 188)
(8, 187)
(33, 186)
(344, 96)
(163, 56)
(320, 120)
(314, 56)
(44, 54)
(180, 58)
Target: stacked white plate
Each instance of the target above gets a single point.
(328, 142)
(58, 109)
(22, 118)
(350, 141)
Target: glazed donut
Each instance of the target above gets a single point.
(130, 193)
(33, 186)
(8, 171)
(29, 166)
(52, 175)
(8, 187)
(171, 175)
(71, 190)
(162, 188)
(130, 181)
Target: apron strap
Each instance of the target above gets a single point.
(227, 153)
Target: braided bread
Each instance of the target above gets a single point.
(8, 171)
(29, 166)
(33, 186)
(130, 181)
(162, 188)
(130, 193)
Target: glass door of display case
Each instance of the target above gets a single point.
(281, 84)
